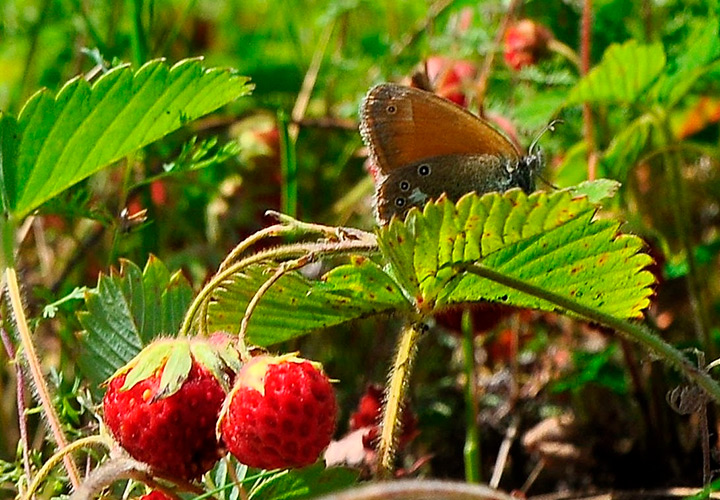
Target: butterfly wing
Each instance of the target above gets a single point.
(403, 125)
(454, 175)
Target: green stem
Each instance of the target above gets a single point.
(92, 31)
(7, 243)
(139, 42)
(275, 254)
(288, 163)
(34, 37)
(41, 389)
(683, 225)
(473, 473)
(638, 333)
(395, 394)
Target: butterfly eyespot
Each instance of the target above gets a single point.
(391, 109)
(400, 202)
(424, 170)
(404, 185)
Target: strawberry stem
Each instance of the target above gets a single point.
(43, 392)
(395, 393)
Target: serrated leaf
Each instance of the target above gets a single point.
(58, 141)
(623, 74)
(126, 311)
(547, 240)
(296, 305)
(308, 482)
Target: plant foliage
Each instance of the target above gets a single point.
(59, 140)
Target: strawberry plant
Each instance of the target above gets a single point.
(197, 294)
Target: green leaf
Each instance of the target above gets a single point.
(698, 56)
(597, 190)
(622, 76)
(308, 482)
(296, 305)
(626, 148)
(58, 141)
(126, 311)
(573, 168)
(549, 241)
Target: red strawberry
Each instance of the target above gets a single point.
(280, 414)
(162, 407)
(525, 42)
(155, 495)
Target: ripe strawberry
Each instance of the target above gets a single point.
(280, 414)
(162, 407)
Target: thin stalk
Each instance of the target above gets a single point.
(33, 361)
(90, 27)
(683, 224)
(20, 397)
(60, 455)
(637, 332)
(395, 394)
(177, 25)
(303, 98)
(34, 37)
(285, 252)
(471, 451)
(588, 123)
(565, 51)
(288, 164)
(484, 73)
(138, 39)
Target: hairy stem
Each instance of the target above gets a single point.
(20, 397)
(43, 392)
(61, 454)
(275, 254)
(395, 393)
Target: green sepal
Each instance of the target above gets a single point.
(211, 359)
(176, 369)
(147, 362)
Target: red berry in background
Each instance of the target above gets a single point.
(164, 413)
(450, 78)
(155, 495)
(368, 416)
(280, 414)
(485, 316)
(525, 43)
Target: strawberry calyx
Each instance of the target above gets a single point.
(172, 358)
(254, 372)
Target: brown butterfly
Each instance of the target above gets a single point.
(424, 146)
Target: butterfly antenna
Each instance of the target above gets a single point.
(547, 182)
(532, 150)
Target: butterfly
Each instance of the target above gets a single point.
(424, 145)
